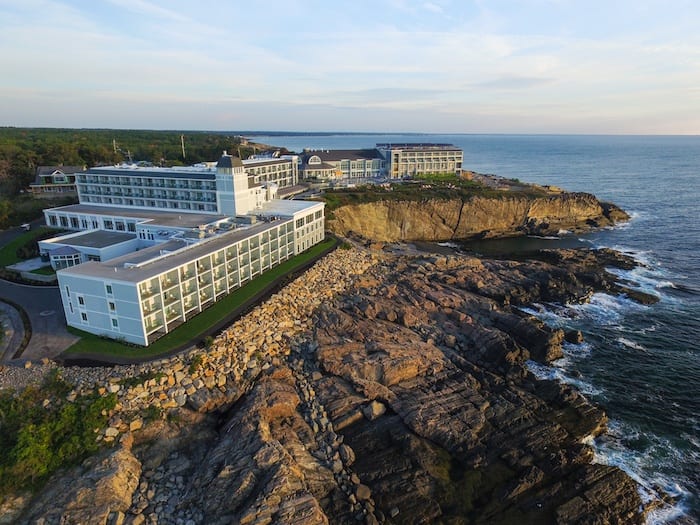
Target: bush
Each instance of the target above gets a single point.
(36, 440)
(196, 362)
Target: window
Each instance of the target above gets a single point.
(81, 300)
(83, 316)
(67, 291)
(115, 323)
(70, 305)
(109, 289)
(112, 306)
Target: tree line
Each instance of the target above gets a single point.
(22, 150)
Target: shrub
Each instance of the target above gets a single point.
(36, 440)
(196, 363)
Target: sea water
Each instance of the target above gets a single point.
(640, 363)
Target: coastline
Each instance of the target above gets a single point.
(427, 348)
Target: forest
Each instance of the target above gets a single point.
(22, 150)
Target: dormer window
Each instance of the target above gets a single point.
(314, 159)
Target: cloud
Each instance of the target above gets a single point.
(429, 6)
(149, 8)
(512, 83)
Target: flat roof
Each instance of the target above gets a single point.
(418, 146)
(288, 207)
(94, 238)
(120, 269)
(344, 154)
(265, 162)
(178, 172)
(179, 219)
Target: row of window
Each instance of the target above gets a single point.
(145, 182)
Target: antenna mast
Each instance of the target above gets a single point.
(182, 142)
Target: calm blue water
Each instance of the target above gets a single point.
(641, 363)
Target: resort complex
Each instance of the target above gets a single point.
(150, 247)
(394, 161)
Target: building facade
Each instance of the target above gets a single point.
(411, 159)
(188, 188)
(329, 165)
(282, 170)
(52, 180)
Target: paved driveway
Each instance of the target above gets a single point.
(45, 311)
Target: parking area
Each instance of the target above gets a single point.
(43, 306)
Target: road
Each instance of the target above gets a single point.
(9, 235)
(44, 308)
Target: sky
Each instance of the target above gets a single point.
(442, 66)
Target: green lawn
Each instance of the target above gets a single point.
(44, 270)
(8, 253)
(196, 327)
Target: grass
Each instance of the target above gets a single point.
(8, 253)
(44, 270)
(201, 324)
(426, 187)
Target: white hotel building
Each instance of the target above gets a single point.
(153, 247)
(410, 159)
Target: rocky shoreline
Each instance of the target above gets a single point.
(375, 388)
(508, 214)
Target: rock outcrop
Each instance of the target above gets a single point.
(507, 215)
(376, 388)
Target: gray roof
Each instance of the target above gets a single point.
(418, 146)
(322, 166)
(115, 269)
(179, 219)
(229, 161)
(67, 170)
(64, 250)
(95, 239)
(155, 172)
(252, 163)
(343, 154)
(287, 208)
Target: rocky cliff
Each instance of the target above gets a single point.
(506, 215)
(376, 388)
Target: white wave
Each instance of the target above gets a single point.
(558, 373)
(631, 344)
(564, 232)
(447, 244)
(604, 309)
(580, 350)
(546, 237)
(646, 467)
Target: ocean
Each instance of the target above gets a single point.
(640, 363)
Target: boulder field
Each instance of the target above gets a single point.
(375, 388)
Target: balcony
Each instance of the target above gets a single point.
(147, 292)
(171, 299)
(172, 315)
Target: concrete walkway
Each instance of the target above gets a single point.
(28, 265)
